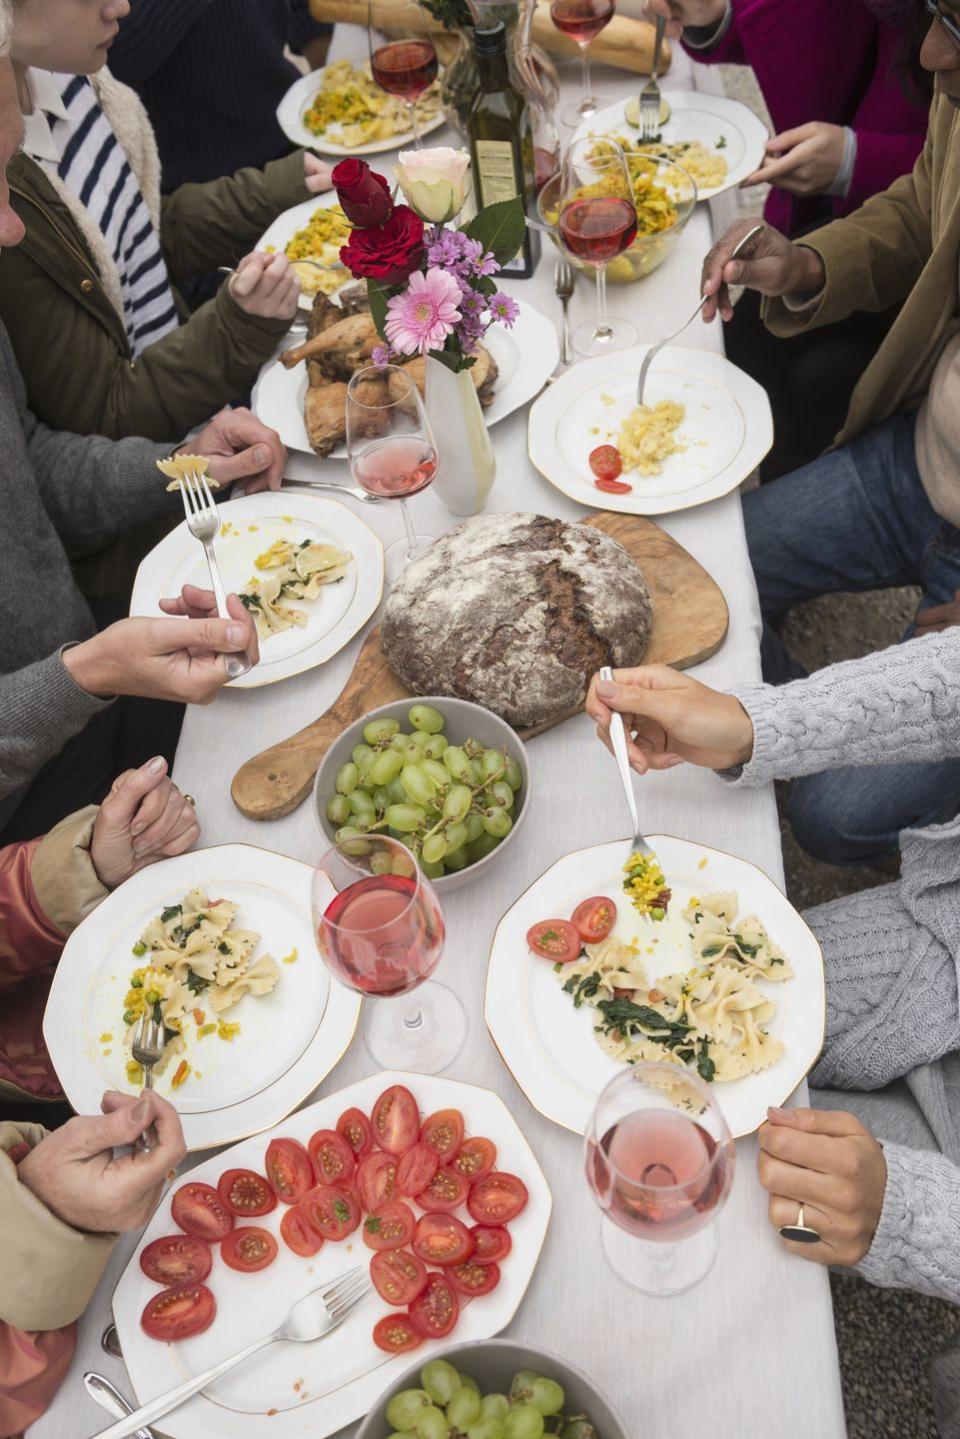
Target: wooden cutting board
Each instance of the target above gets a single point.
(689, 625)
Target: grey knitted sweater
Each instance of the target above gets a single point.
(57, 490)
(891, 953)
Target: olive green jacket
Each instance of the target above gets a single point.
(69, 338)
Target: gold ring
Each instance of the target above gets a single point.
(801, 1232)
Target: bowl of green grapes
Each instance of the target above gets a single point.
(445, 777)
(493, 1389)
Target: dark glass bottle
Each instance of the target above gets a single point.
(501, 144)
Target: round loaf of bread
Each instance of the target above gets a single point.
(516, 612)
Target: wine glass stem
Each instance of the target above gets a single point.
(585, 64)
(602, 331)
(413, 1019)
(417, 141)
(410, 532)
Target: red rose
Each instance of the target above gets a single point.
(388, 253)
(363, 194)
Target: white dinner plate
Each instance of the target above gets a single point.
(696, 116)
(288, 1040)
(294, 1391)
(254, 522)
(285, 226)
(299, 98)
(727, 429)
(549, 1047)
(526, 357)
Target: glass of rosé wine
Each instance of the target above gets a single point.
(380, 931)
(582, 21)
(660, 1160)
(403, 63)
(393, 454)
(597, 222)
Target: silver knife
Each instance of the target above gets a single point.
(110, 1399)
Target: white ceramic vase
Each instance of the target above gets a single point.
(466, 466)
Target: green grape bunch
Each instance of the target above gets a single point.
(450, 804)
(450, 1405)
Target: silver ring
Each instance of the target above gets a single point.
(801, 1232)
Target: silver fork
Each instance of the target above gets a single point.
(312, 1317)
(655, 349)
(354, 492)
(563, 283)
(618, 738)
(650, 94)
(203, 522)
(148, 1047)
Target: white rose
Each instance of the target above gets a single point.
(434, 182)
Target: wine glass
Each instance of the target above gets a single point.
(380, 931)
(404, 63)
(660, 1161)
(598, 221)
(582, 20)
(391, 447)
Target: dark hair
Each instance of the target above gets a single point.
(915, 81)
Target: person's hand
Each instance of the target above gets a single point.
(669, 718)
(239, 447)
(828, 1162)
(681, 13)
(144, 818)
(316, 173)
(168, 659)
(73, 1172)
(774, 266)
(265, 285)
(935, 618)
(804, 161)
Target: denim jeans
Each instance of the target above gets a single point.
(856, 519)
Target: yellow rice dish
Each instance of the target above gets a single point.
(320, 239)
(707, 168)
(350, 109)
(656, 210)
(649, 436)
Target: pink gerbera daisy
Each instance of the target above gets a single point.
(424, 315)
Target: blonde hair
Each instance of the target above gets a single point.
(6, 27)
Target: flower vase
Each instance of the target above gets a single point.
(466, 466)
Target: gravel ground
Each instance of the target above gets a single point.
(886, 1338)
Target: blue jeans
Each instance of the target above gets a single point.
(856, 519)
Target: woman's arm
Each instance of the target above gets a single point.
(881, 159)
(917, 1242)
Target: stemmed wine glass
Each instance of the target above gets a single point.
(598, 221)
(660, 1161)
(380, 931)
(403, 64)
(582, 20)
(391, 447)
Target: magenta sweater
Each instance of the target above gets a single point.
(827, 60)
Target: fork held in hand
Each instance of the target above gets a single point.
(203, 522)
(148, 1047)
(618, 738)
(650, 94)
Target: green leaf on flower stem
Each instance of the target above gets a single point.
(454, 360)
(486, 285)
(379, 295)
(499, 228)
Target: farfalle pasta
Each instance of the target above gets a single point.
(290, 571)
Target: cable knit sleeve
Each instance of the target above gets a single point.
(896, 705)
(917, 1243)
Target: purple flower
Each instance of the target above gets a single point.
(380, 356)
(504, 309)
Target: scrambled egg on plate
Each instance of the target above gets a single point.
(648, 436)
(350, 103)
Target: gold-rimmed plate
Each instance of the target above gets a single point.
(548, 1045)
(288, 1040)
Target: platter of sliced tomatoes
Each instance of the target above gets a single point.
(427, 1183)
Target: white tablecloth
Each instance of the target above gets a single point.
(751, 1353)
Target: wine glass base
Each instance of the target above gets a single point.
(660, 1270)
(397, 556)
(422, 1031)
(617, 334)
(588, 108)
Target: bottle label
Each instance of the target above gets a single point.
(498, 181)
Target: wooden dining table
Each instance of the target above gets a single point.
(751, 1352)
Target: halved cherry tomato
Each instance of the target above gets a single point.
(330, 1211)
(398, 1276)
(177, 1259)
(594, 918)
(446, 1191)
(497, 1198)
(605, 462)
(395, 1119)
(475, 1158)
(246, 1193)
(491, 1243)
(613, 487)
(473, 1278)
(297, 1234)
(289, 1170)
(179, 1313)
(333, 1159)
(416, 1169)
(443, 1131)
(390, 1227)
(555, 939)
(199, 1211)
(377, 1180)
(395, 1334)
(249, 1248)
(434, 1312)
(354, 1125)
(442, 1239)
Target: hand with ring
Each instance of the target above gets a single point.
(826, 1177)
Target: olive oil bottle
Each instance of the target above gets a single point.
(501, 143)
